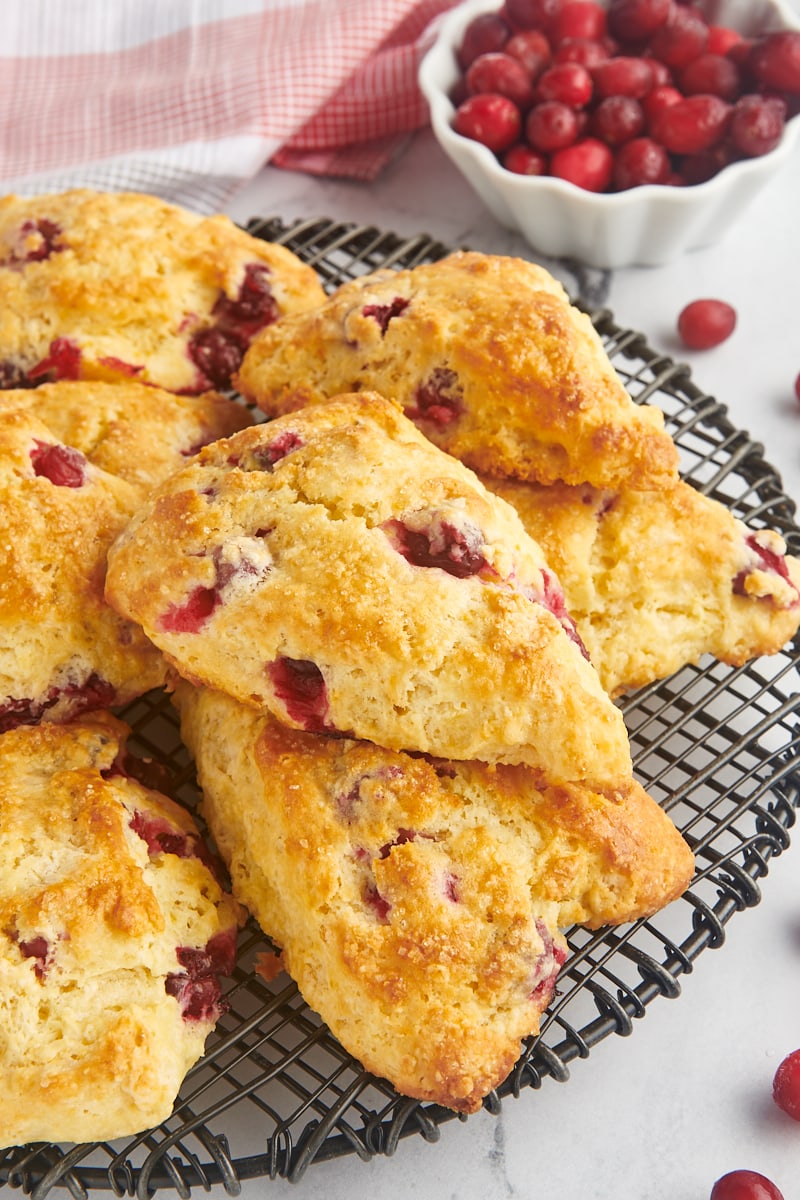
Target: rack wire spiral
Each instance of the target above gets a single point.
(718, 747)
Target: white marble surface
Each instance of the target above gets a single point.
(662, 1114)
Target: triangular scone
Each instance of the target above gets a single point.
(121, 286)
(418, 902)
(113, 929)
(489, 358)
(62, 648)
(336, 568)
(656, 580)
(138, 433)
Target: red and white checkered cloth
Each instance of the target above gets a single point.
(188, 99)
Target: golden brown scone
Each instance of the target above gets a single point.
(113, 930)
(418, 902)
(336, 568)
(656, 580)
(62, 648)
(487, 356)
(138, 433)
(118, 286)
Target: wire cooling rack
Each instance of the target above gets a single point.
(718, 747)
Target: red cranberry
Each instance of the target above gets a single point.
(383, 313)
(711, 75)
(757, 124)
(721, 39)
(569, 83)
(692, 125)
(660, 97)
(774, 61)
(531, 48)
(681, 38)
(491, 119)
(38, 949)
(797, 388)
(300, 686)
(636, 20)
(551, 126)
(438, 399)
(580, 50)
(617, 119)
(503, 74)
(706, 323)
(192, 614)
(699, 168)
(639, 162)
(442, 545)
(523, 160)
(62, 465)
(278, 448)
(786, 1085)
(587, 164)
(197, 988)
(217, 353)
(63, 361)
(764, 558)
(43, 246)
(485, 33)
(623, 76)
(532, 14)
(160, 836)
(380, 906)
(745, 1185)
(579, 19)
(253, 308)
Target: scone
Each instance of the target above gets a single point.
(418, 902)
(125, 286)
(113, 930)
(656, 580)
(138, 433)
(489, 358)
(337, 569)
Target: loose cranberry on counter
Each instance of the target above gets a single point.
(745, 1185)
(704, 324)
(786, 1085)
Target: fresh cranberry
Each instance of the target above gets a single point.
(63, 361)
(699, 168)
(682, 37)
(253, 308)
(383, 313)
(623, 76)
(533, 14)
(569, 83)
(531, 49)
(442, 545)
(617, 119)
(786, 1085)
(634, 21)
(588, 164)
(721, 39)
(523, 160)
(217, 353)
(490, 119)
(691, 126)
(485, 33)
(551, 126)
(579, 19)
(745, 1185)
(503, 74)
(660, 97)
(438, 399)
(62, 465)
(710, 75)
(757, 124)
(638, 162)
(587, 53)
(300, 686)
(774, 61)
(706, 323)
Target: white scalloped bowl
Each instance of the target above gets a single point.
(644, 226)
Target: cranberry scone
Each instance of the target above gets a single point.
(114, 930)
(656, 580)
(123, 286)
(417, 902)
(337, 569)
(487, 356)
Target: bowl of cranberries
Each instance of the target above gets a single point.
(616, 132)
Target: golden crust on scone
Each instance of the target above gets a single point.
(656, 580)
(120, 286)
(487, 355)
(138, 433)
(336, 568)
(62, 648)
(110, 940)
(418, 902)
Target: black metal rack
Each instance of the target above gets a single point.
(718, 747)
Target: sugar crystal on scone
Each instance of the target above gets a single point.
(337, 569)
(487, 356)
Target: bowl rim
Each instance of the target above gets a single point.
(438, 70)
